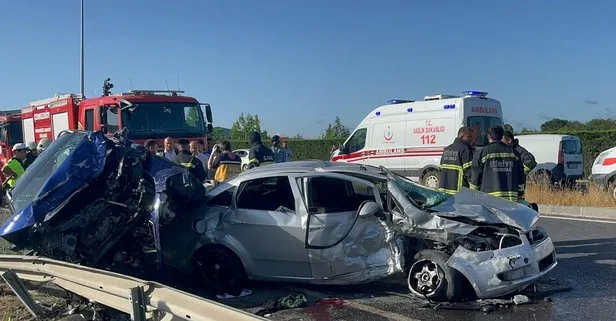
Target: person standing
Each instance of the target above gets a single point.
(497, 170)
(169, 151)
(14, 168)
(186, 159)
(527, 159)
(258, 153)
(151, 146)
(279, 153)
(227, 164)
(456, 163)
(31, 154)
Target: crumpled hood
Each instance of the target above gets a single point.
(484, 208)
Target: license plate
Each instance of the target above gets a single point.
(572, 166)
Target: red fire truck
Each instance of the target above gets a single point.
(10, 134)
(147, 114)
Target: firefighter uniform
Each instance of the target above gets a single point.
(528, 160)
(455, 166)
(194, 165)
(497, 170)
(258, 154)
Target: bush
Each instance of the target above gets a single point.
(303, 149)
(544, 194)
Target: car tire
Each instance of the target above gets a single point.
(431, 179)
(430, 272)
(220, 270)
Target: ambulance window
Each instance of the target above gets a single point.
(113, 124)
(480, 126)
(357, 141)
(89, 125)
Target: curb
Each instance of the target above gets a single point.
(602, 213)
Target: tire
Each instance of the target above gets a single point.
(431, 179)
(430, 268)
(220, 270)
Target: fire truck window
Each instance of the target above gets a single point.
(89, 125)
(191, 116)
(113, 124)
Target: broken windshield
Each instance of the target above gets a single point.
(422, 196)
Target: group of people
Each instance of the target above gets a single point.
(218, 162)
(499, 168)
(23, 156)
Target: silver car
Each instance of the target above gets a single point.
(335, 223)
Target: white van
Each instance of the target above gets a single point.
(408, 137)
(603, 173)
(558, 157)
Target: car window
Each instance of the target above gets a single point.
(332, 195)
(224, 198)
(266, 194)
(571, 147)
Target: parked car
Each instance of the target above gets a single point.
(603, 172)
(243, 154)
(559, 158)
(337, 223)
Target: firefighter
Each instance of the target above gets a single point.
(31, 155)
(14, 168)
(186, 159)
(497, 170)
(528, 159)
(258, 154)
(456, 163)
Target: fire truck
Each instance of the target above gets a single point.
(147, 114)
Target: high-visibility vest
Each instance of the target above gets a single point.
(15, 166)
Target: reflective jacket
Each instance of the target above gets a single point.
(455, 167)
(528, 159)
(16, 166)
(497, 170)
(194, 165)
(258, 154)
(227, 165)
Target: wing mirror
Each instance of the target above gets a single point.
(344, 149)
(370, 208)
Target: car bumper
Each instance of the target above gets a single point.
(507, 270)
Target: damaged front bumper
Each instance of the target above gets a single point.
(504, 271)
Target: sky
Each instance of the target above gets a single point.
(300, 63)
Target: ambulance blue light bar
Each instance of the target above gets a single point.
(475, 93)
(399, 101)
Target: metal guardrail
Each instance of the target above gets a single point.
(140, 299)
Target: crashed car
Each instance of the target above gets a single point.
(332, 223)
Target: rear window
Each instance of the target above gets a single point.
(480, 126)
(572, 147)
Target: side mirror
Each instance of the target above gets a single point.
(344, 149)
(369, 208)
(208, 118)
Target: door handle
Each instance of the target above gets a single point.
(234, 221)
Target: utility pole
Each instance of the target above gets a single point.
(81, 57)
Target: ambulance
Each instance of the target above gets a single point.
(408, 137)
(603, 172)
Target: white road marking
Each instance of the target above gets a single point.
(358, 306)
(577, 219)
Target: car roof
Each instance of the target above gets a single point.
(312, 166)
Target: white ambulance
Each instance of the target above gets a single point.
(603, 173)
(408, 136)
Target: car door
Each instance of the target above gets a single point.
(340, 243)
(267, 226)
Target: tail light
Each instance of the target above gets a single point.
(561, 156)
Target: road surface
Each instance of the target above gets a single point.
(586, 252)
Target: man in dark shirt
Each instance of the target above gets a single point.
(186, 159)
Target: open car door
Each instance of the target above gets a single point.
(342, 244)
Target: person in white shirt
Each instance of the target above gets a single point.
(169, 151)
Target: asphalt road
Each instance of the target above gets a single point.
(586, 252)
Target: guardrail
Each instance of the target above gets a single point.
(140, 299)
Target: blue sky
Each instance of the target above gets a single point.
(299, 63)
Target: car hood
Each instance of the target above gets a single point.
(484, 208)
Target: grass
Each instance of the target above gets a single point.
(593, 197)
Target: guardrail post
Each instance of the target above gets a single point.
(137, 299)
(21, 292)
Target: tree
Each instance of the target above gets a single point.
(242, 127)
(297, 137)
(219, 133)
(336, 131)
(557, 124)
(192, 117)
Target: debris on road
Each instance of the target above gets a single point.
(520, 299)
(291, 301)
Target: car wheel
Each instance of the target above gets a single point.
(431, 278)
(431, 179)
(220, 270)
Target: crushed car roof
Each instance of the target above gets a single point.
(300, 167)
